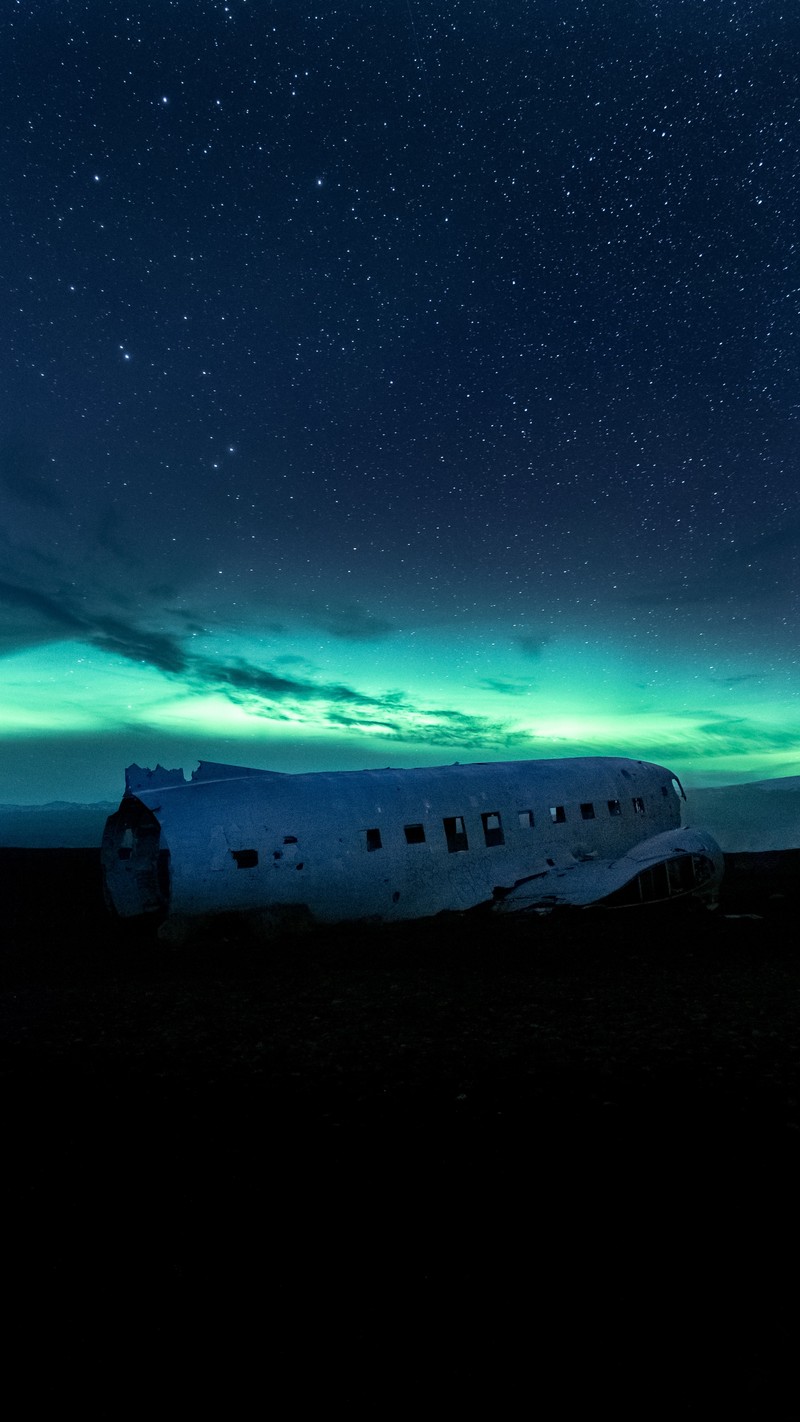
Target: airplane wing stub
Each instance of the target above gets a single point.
(667, 866)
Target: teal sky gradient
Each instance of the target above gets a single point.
(398, 383)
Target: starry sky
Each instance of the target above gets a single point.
(398, 382)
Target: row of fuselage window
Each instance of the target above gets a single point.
(455, 831)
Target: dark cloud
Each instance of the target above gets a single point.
(355, 624)
(51, 610)
(735, 680)
(188, 620)
(243, 677)
(443, 727)
(126, 638)
(338, 718)
(158, 649)
(532, 646)
(291, 659)
(506, 688)
(718, 732)
(395, 698)
(390, 714)
(56, 616)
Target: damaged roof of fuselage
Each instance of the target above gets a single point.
(140, 778)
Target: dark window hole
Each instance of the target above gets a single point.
(455, 834)
(245, 858)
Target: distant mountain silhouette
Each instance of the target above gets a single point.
(57, 825)
(754, 817)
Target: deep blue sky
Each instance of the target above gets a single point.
(398, 381)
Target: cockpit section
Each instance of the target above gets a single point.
(673, 878)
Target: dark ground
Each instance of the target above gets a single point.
(443, 1156)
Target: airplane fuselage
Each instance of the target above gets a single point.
(393, 844)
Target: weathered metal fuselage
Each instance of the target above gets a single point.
(399, 844)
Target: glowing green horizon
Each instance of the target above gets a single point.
(422, 700)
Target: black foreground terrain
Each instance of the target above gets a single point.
(462, 1150)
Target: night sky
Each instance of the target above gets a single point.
(398, 382)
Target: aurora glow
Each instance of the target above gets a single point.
(571, 704)
(398, 395)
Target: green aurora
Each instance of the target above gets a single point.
(73, 715)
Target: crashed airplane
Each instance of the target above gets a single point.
(387, 845)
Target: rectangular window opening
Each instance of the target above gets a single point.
(587, 811)
(526, 820)
(681, 875)
(245, 858)
(614, 807)
(374, 840)
(492, 828)
(415, 834)
(558, 814)
(455, 834)
(638, 805)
